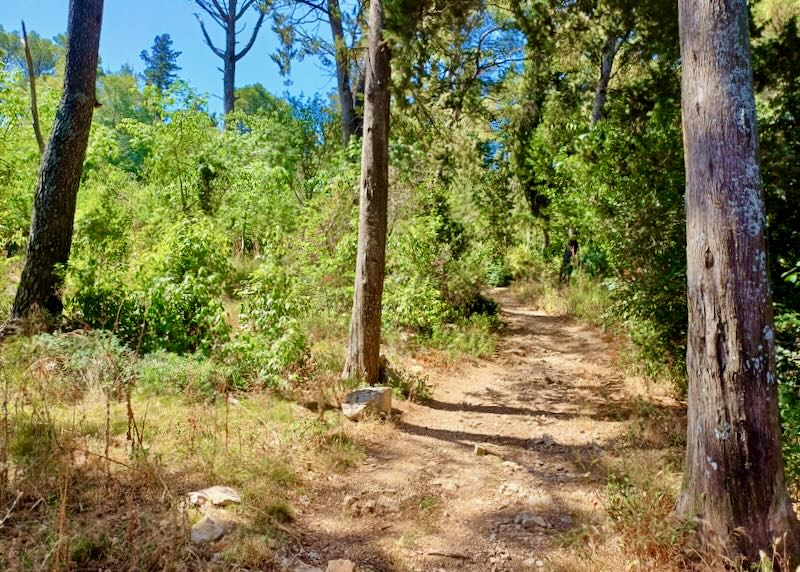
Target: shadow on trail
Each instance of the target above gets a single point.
(492, 409)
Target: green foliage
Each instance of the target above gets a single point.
(167, 373)
(45, 53)
(160, 63)
(270, 342)
(167, 299)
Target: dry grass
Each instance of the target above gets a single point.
(95, 473)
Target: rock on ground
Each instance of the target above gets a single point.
(207, 530)
(216, 495)
(377, 399)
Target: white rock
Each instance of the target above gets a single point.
(207, 530)
(216, 495)
(378, 399)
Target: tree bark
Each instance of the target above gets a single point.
(358, 105)
(363, 356)
(346, 100)
(229, 60)
(610, 50)
(59, 178)
(229, 83)
(734, 475)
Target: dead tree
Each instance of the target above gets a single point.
(227, 15)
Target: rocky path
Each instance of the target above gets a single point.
(494, 470)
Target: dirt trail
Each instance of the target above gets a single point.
(543, 408)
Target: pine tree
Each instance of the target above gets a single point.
(161, 63)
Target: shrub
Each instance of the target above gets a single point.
(270, 342)
(166, 299)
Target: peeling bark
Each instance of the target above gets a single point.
(363, 355)
(734, 477)
(59, 178)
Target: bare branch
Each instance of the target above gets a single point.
(249, 45)
(37, 130)
(210, 44)
(245, 7)
(214, 10)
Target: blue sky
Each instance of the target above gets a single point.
(129, 27)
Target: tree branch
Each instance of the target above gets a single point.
(37, 130)
(249, 45)
(210, 44)
(246, 6)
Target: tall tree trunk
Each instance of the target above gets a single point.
(229, 61)
(363, 355)
(342, 72)
(734, 466)
(228, 80)
(59, 178)
(610, 50)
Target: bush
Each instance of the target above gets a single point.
(787, 327)
(270, 342)
(67, 366)
(167, 373)
(166, 299)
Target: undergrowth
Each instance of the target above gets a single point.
(98, 449)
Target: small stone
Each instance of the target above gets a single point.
(526, 519)
(539, 564)
(348, 500)
(207, 530)
(340, 566)
(481, 451)
(216, 495)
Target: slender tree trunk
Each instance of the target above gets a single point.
(358, 105)
(37, 130)
(342, 72)
(734, 467)
(229, 61)
(50, 238)
(363, 356)
(610, 50)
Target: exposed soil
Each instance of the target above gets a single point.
(543, 413)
